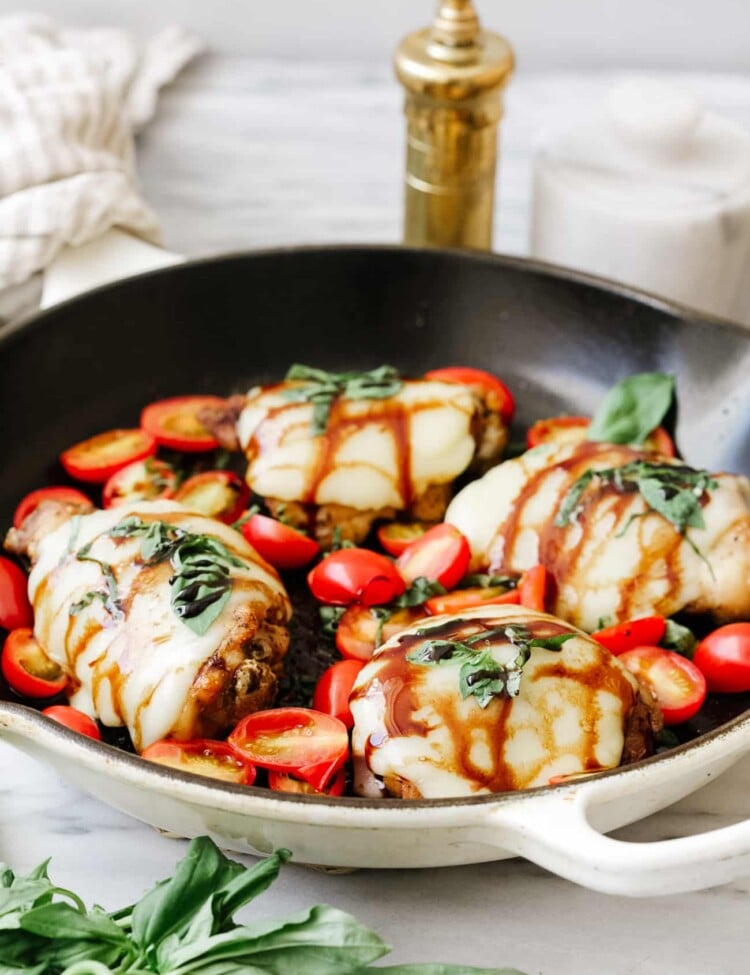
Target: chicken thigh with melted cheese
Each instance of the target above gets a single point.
(165, 621)
(623, 533)
(368, 458)
(496, 699)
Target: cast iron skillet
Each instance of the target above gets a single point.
(221, 325)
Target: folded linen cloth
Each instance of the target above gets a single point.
(69, 102)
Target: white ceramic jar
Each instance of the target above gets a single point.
(653, 192)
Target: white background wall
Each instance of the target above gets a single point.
(546, 33)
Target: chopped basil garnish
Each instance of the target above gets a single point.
(109, 596)
(338, 541)
(481, 580)
(417, 594)
(480, 674)
(633, 408)
(254, 509)
(329, 617)
(321, 388)
(680, 639)
(201, 584)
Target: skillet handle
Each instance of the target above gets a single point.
(110, 257)
(556, 834)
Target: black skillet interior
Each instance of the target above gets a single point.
(222, 325)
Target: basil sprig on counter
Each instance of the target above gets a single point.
(674, 491)
(480, 674)
(633, 408)
(321, 388)
(185, 926)
(201, 584)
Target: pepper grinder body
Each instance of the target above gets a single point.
(454, 75)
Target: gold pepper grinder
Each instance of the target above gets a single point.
(454, 74)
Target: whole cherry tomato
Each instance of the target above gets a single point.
(723, 658)
(15, 608)
(282, 546)
(74, 719)
(646, 631)
(334, 687)
(355, 575)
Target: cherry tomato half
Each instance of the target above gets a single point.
(15, 608)
(28, 669)
(98, 458)
(218, 494)
(174, 422)
(74, 719)
(532, 589)
(32, 501)
(646, 631)
(678, 686)
(572, 429)
(355, 575)
(441, 555)
(461, 599)
(334, 687)
(202, 756)
(495, 393)
(282, 782)
(302, 742)
(396, 537)
(282, 546)
(145, 480)
(723, 658)
(359, 628)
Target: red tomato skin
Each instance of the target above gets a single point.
(334, 687)
(723, 657)
(645, 662)
(461, 599)
(74, 719)
(114, 491)
(646, 631)
(167, 748)
(355, 575)
(282, 546)
(545, 431)
(154, 415)
(16, 661)
(441, 555)
(88, 470)
(283, 782)
(32, 501)
(497, 395)
(15, 608)
(532, 588)
(317, 766)
(234, 484)
(394, 544)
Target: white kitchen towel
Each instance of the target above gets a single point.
(69, 102)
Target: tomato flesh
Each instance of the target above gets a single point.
(218, 494)
(31, 502)
(646, 631)
(359, 627)
(283, 782)
(532, 589)
(15, 608)
(572, 430)
(98, 458)
(723, 658)
(355, 575)
(334, 687)
(305, 743)
(174, 422)
(202, 756)
(441, 555)
(461, 599)
(74, 719)
(28, 669)
(495, 393)
(396, 537)
(678, 685)
(282, 546)
(145, 480)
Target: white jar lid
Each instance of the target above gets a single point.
(651, 146)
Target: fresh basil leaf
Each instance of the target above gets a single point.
(633, 408)
(321, 388)
(330, 617)
(680, 639)
(419, 592)
(481, 580)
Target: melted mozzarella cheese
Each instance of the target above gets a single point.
(612, 563)
(137, 671)
(411, 722)
(374, 454)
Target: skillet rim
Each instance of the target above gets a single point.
(111, 754)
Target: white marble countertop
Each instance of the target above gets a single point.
(248, 154)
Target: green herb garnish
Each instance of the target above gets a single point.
(417, 594)
(109, 596)
(201, 584)
(338, 541)
(254, 509)
(680, 639)
(481, 580)
(633, 409)
(330, 617)
(480, 674)
(321, 388)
